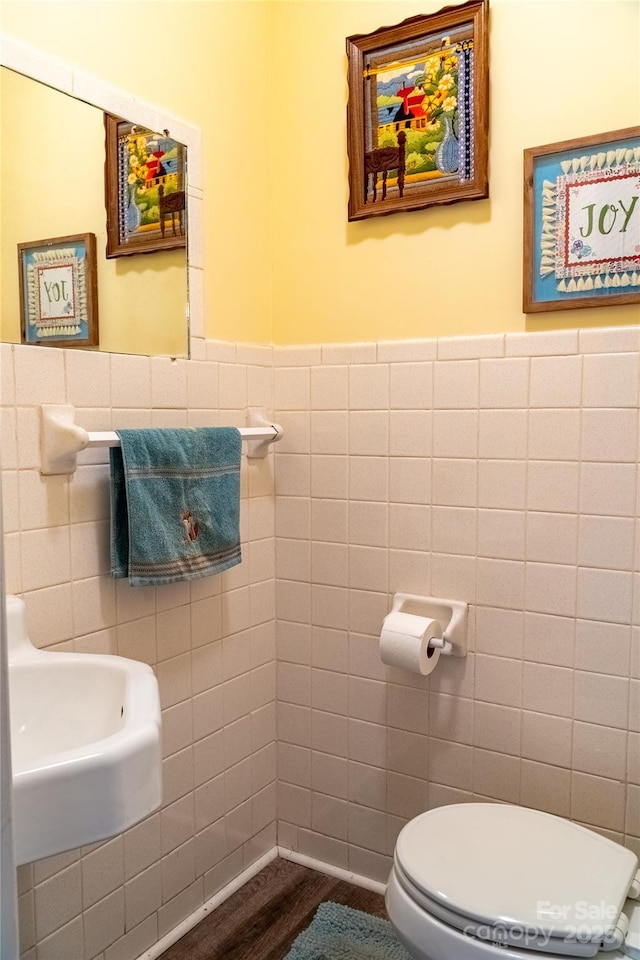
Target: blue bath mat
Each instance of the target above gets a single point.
(341, 933)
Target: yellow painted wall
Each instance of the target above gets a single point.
(558, 69)
(266, 82)
(53, 186)
(206, 62)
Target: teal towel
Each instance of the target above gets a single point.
(175, 504)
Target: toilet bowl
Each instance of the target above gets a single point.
(481, 881)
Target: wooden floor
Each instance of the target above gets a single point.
(264, 917)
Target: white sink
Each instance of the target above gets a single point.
(85, 744)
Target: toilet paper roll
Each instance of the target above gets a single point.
(404, 642)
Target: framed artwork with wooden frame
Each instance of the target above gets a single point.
(145, 181)
(582, 222)
(417, 115)
(58, 291)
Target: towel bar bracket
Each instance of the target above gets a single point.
(260, 433)
(61, 439)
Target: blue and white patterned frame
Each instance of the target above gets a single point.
(58, 291)
(582, 222)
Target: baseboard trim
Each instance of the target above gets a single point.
(194, 918)
(355, 878)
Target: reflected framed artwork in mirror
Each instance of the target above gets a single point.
(143, 301)
(58, 291)
(417, 116)
(144, 189)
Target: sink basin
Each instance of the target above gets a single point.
(85, 744)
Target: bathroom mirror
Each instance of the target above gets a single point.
(52, 157)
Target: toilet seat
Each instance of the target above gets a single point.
(570, 883)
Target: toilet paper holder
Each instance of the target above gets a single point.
(451, 614)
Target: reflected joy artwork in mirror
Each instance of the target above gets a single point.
(145, 189)
(58, 291)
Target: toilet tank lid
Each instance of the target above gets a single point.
(503, 864)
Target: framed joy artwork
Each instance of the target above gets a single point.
(417, 115)
(582, 222)
(58, 291)
(144, 189)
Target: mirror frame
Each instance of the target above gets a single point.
(62, 76)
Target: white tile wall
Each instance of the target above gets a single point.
(499, 470)
(211, 643)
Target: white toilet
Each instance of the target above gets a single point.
(474, 881)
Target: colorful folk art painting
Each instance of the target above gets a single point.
(145, 186)
(584, 221)
(417, 116)
(427, 94)
(150, 171)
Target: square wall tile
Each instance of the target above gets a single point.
(88, 378)
(608, 489)
(501, 583)
(549, 639)
(411, 386)
(369, 479)
(600, 699)
(552, 537)
(455, 483)
(329, 432)
(610, 435)
(551, 588)
(599, 750)
(499, 632)
(130, 381)
(606, 542)
(291, 386)
(554, 434)
(39, 375)
(410, 433)
(501, 534)
(497, 728)
(454, 530)
(498, 680)
(603, 647)
(546, 738)
(369, 433)
(610, 380)
(330, 478)
(503, 434)
(369, 387)
(553, 486)
(168, 383)
(504, 383)
(545, 787)
(604, 595)
(329, 388)
(556, 381)
(547, 689)
(496, 775)
(455, 433)
(502, 484)
(597, 801)
(456, 384)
